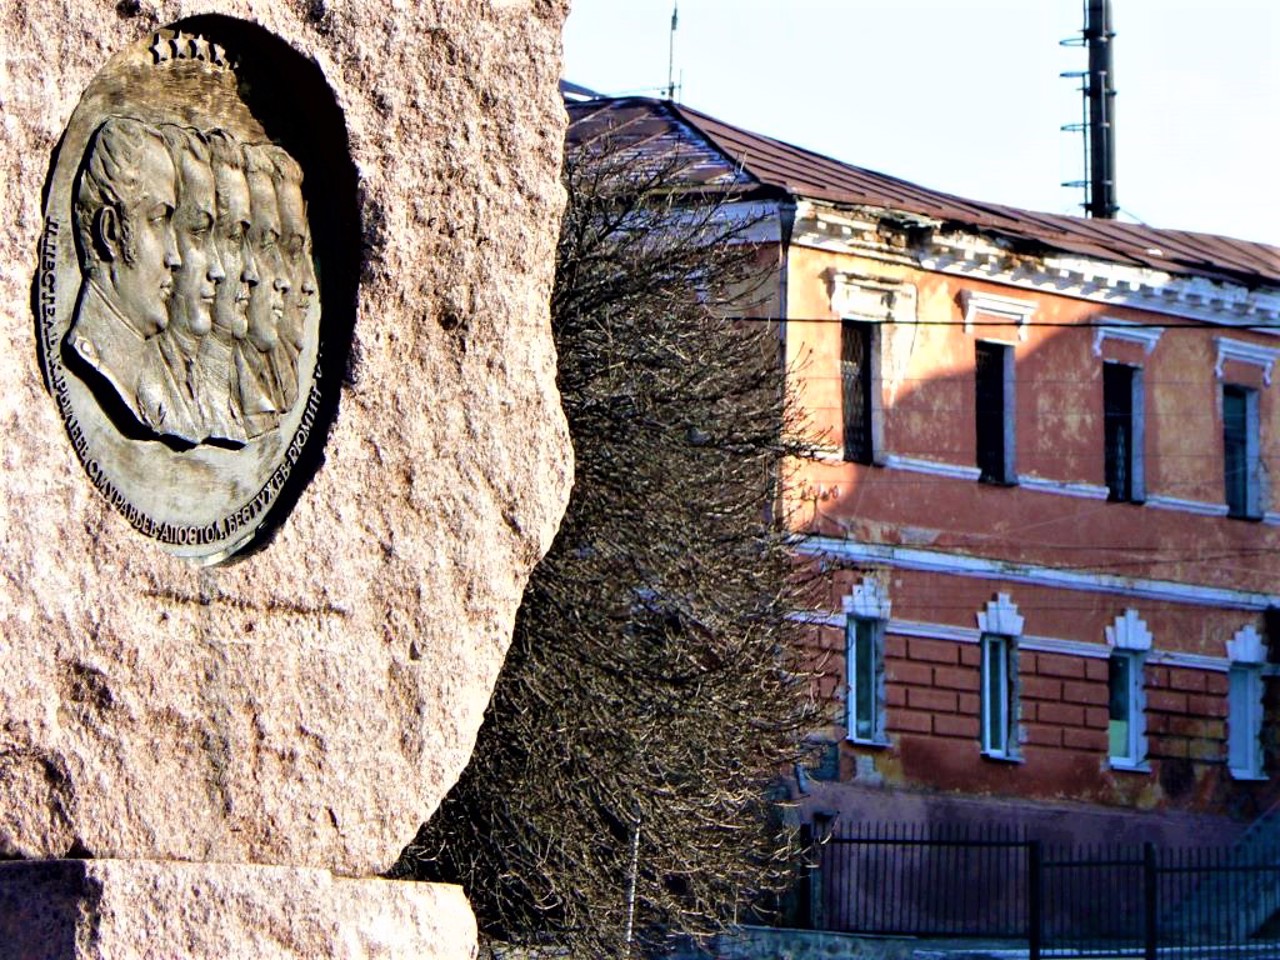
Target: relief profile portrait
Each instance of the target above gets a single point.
(124, 204)
(178, 313)
(187, 286)
(295, 245)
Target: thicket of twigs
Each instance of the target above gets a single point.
(618, 793)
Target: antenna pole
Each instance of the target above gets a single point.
(1098, 36)
(671, 51)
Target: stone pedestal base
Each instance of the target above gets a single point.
(81, 909)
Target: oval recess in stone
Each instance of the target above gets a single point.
(178, 297)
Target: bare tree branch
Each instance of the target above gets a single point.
(651, 696)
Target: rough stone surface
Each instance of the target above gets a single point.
(310, 704)
(90, 909)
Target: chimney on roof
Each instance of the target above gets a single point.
(1101, 93)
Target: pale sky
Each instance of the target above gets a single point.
(965, 95)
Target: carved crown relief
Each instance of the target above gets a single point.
(179, 297)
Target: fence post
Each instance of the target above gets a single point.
(1035, 897)
(1150, 899)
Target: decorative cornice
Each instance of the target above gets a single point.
(1129, 632)
(1097, 281)
(869, 601)
(1249, 353)
(1247, 646)
(1005, 309)
(983, 568)
(1127, 332)
(1001, 616)
(858, 297)
(1141, 288)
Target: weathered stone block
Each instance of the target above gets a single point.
(97, 909)
(311, 703)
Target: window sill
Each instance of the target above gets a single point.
(1002, 757)
(1248, 776)
(1128, 766)
(873, 744)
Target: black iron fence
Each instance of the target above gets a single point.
(1080, 901)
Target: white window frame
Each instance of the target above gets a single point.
(1001, 309)
(1247, 654)
(1000, 625)
(874, 636)
(870, 606)
(1129, 637)
(997, 713)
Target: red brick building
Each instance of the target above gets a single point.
(1044, 495)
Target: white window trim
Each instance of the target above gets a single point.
(934, 468)
(1252, 707)
(1129, 632)
(1001, 616)
(878, 736)
(1135, 761)
(1126, 331)
(989, 644)
(1248, 653)
(1001, 624)
(1244, 352)
(1063, 488)
(869, 600)
(1247, 647)
(869, 603)
(1005, 309)
(1197, 507)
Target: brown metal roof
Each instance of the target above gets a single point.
(716, 153)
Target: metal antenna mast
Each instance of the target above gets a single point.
(1099, 123)
(671, 51)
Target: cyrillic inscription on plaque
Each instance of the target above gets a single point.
(179, 306)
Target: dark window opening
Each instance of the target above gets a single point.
(1239, 451)
(1120, 432)
(992, 399)
(855, 376)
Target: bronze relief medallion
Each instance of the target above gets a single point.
(178, 301)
